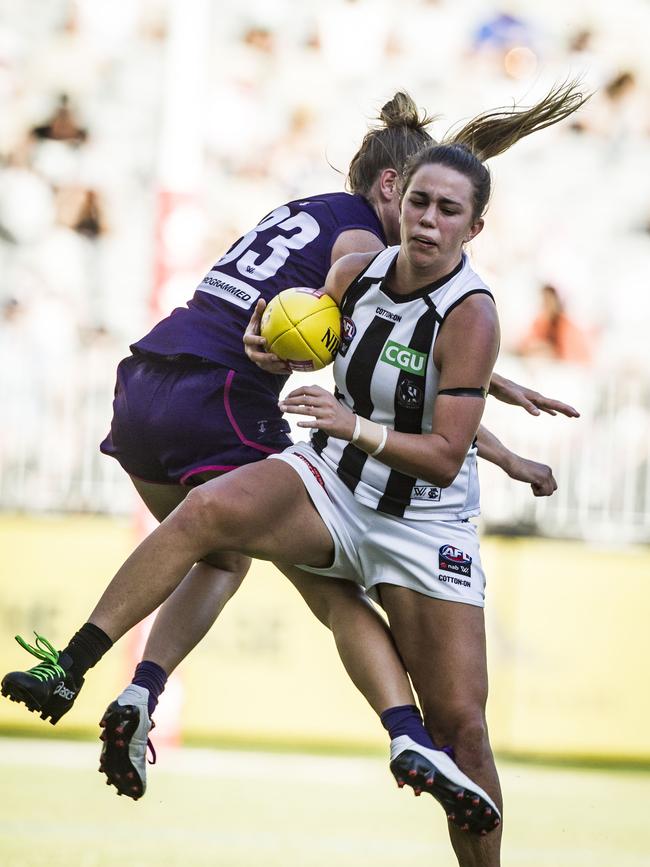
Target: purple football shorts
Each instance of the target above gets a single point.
(174, 419)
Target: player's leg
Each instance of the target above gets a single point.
(362, 637)
(370, 658)
(185, 618)
(254, 510)
(180, 624)
(50, 688)
(442, 644)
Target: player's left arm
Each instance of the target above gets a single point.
(539, 476)
(464, 354)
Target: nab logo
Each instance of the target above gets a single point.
(452, 559)
(404, 357)
(331, 340)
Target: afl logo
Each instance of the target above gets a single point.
(348, 330)
(451, 559)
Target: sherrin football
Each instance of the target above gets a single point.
(303, 327)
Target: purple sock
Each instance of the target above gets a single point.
(152, 677)
(406, 720)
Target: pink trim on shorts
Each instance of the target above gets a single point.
(235, 426)
(141, 478)
(207, 468)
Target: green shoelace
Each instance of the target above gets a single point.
(49, 667)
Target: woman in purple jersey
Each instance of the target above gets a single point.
(191, 374)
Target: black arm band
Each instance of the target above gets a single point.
(464, 392)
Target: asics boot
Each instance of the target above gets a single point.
(126, 725)
(48, 688)
(433, 771)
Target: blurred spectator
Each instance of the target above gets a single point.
(553, 334)
(82, 210)
(62, 125)
(508, 42)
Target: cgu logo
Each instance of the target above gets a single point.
(404, 357)
(331, 340)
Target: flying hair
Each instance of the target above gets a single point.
(400, 134)
(492, 133)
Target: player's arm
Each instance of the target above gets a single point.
(355, 241)
(465, 369)
(532, 401)
(344, 271)
(538, 476)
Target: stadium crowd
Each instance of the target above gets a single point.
(288, 88)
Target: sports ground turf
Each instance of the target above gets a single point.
(235, 809)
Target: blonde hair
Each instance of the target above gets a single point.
(402, 134)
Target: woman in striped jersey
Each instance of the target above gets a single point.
(391, 466)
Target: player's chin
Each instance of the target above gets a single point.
(423, 250)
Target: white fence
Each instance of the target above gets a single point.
(52, 421)
(601, 461)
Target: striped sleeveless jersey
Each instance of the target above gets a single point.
(385, 372)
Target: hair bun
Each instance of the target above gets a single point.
(401, 110)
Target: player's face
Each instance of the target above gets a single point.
(437, 218)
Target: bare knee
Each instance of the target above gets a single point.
(213, 519)
(462, 727)
(237, 565)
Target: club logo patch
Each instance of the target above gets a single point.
(348, 330)
(426, 492)
(410, 395)
(452, 559)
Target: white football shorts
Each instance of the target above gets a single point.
(436, 558)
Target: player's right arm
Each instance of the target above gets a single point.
(355, 241)
(344, 271)
(532, 401)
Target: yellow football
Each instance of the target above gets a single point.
(303, 327)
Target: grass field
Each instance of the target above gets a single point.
(236, 809)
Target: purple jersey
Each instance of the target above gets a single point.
(291, 246)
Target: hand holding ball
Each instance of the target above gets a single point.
(303, 327)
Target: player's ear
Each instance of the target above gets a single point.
(474, 229)
(389, 184)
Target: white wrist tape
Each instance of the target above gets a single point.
(369, 436)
